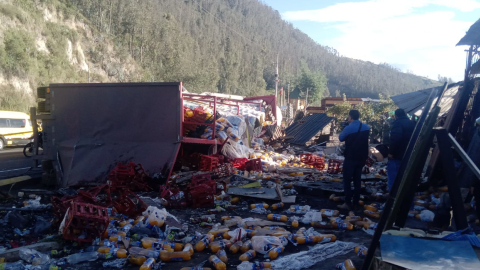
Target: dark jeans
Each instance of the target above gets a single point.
(352, 171)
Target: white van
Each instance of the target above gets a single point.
(15, 129)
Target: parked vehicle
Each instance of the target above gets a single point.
(15, 129)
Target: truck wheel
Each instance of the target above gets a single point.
(2, 144)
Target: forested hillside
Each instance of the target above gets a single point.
(228, 46)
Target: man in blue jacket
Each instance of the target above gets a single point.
(400, 134)
(355, 136)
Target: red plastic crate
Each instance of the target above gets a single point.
(127, 203)
(208, 163)
(254, 165)
(239, 163)
(85, 222)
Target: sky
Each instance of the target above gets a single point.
(417, 36)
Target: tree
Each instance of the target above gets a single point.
(315, 82)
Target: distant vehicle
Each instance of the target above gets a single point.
(15, 129)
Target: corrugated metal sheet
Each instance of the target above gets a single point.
(472, 37)
(414, 102)
(305, 129)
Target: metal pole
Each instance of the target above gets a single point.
(306, 101)
(276, 79)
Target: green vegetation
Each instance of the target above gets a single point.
(13, 12)
(17, 54)
(375, 114)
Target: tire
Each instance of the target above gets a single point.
(2, 144)
(28, 149)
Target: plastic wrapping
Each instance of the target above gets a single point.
(32, 256)
(318, 253)
(427, 215)
(311, 216)
(263, 244)
(235, 150)
(237, 235)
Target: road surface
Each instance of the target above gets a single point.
(13, 162)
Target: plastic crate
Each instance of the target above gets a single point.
(254, 165)
(85, 222)
(208, 163)
(239, 163)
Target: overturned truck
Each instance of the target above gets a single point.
(89, 128)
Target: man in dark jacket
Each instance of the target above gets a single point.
(400, 134)
(355, 136)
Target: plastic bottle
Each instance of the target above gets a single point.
(322, 225)
(218, 245)
(305, 240)
(324, 238)
(277, 206)
(277, 217)
(166, 256)
(372, 214)
(295, 208)
(370, 208)
(203, 243)
(217, 263)
(148, 264)
(137, 259)
(343, 226)
(188, 248)
(125, 222)
(329, 213)
(82, 257)
(337, 199)
(295, 223)
(236, 247)
(246, 246)
(250, 233)
(361, 251)
(259, 205)
(218, 232)
(346, 265)
(222, 255)
(154, 243)
(353, 219)
(273, 254)
(371, 226)
(254, 266)
(116, 252)
(247, 256)
(229, 217)
(144, 252)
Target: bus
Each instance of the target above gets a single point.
(15, 129)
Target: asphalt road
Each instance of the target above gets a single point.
(13, 162)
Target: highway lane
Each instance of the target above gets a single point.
(13, 162)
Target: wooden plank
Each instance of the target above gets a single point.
(14, 180)
(12, 255)
(464, 156)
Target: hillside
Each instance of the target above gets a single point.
(227, 46)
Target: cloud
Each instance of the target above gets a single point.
(397, 32)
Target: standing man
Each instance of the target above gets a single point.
(355, 136)
(400, 134)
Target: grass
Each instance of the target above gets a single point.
(13, 12)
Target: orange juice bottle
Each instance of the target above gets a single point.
(343, 226)
(346, 265)
(188, 248)
(273, 254)
(259, 205)
(305, 240)
(222, 255)
(295, 223)
(277, 206)
(372, 214)
(217, 263)
(361, 251)
(143, 252)
(139, 219)
(235, 200)
(137, 259)
(148, 264)
(325, 238)
(353, 219)
(166, 256)
(219, 232)
(125, 222)
(329, 213)
(236, 247)
(175, 246)
(218, 245)
(250, 233)
(370, 208)
(322, 225)
(116, 252)
(247, 256)
(229, 217)
(277, 217)
(246, 246)
(203, 243)
(288, 186)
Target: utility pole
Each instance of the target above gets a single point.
(288, 94)
(306, 101)
(276, 80)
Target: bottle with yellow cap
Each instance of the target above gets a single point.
(143, 252)
(235, 247)
(148, 264)
(177, 256)
(329, 213)
(361, 251)
(218, 245)
(203, 243)
(218, 232)
(346, 265)
(116, 252)
(295, 223)
(137, 259)
(259, 205)
(372, 214)
(188, 248)
(247, 256)
(277, 206)
(217, 263)
(277, 217)
(222, 255)
(273, 253)
(247, 245)
(370, 208)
